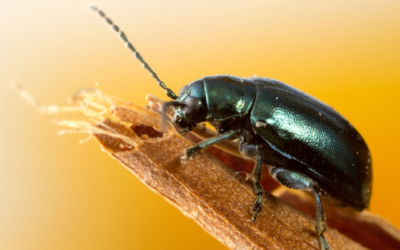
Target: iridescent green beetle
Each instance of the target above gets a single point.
(307, 144)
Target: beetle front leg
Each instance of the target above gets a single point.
(190, 152)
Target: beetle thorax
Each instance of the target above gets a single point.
(215, 98)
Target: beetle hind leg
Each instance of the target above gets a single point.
(320, 222)
(299, 181)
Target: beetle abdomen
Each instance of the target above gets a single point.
(308, 136)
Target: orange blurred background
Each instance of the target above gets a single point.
(57, 194)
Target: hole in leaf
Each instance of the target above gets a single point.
(146, 131)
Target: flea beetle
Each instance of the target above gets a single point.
(306, 144)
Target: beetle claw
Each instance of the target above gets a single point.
(184, 156)
(324, 245)
(256, 209)
(188, 154)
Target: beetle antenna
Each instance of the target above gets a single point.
(122, 35)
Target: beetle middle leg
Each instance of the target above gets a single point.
(299, 181)
(253, 151)
(255, 176)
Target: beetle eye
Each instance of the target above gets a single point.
(192, 107)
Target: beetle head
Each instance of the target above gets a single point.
(190, 106)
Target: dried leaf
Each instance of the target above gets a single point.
(209, 191)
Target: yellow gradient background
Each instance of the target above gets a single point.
(56, 194)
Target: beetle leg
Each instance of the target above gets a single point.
(299, 181)
(320, 222)
(255, 176)
(190, 152)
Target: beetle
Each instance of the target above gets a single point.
(305, 143)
